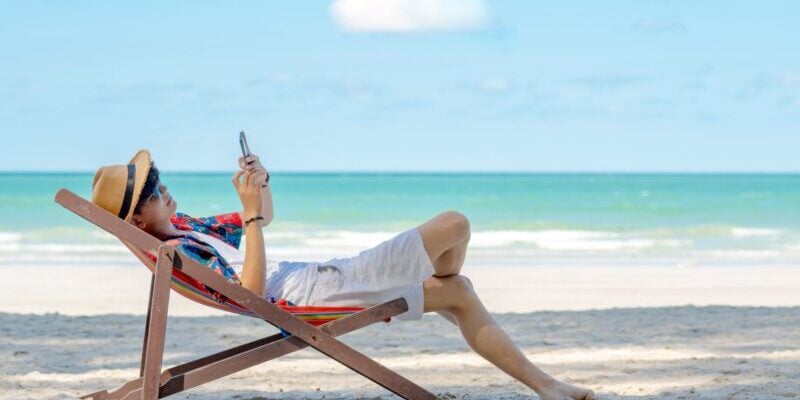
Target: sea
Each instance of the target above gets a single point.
(525, 220)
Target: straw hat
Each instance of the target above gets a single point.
(116, 188)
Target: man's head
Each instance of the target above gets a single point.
(134, 193)
(155, 205)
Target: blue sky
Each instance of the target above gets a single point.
(403, 85)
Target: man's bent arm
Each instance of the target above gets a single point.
(266, 205)
(254, 272)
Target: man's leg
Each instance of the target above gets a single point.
(454, 295)
(445, 238)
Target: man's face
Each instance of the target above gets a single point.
(157, 209)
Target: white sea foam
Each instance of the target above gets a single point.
(755, 232)
(66, 259)
(347, 238)
(307, 253)
(567, 240)
(508, 238)
(486, 246)
(44, 252)
(546, 239)
(59, 248)
(75, 248)
(102, 235)
(741, 253)
(6, 237)
(10, 247)
(285, 235)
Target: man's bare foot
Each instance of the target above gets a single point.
(562, 391)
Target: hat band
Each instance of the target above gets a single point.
(126, 200)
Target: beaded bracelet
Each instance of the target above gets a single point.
(259, 218)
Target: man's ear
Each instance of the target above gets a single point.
(137, 220)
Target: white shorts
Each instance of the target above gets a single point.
(392, 269)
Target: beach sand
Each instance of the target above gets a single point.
(627, 333)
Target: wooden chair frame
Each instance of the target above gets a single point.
(154, 384)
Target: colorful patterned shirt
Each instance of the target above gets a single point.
(225, 227)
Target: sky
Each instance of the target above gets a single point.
(403, 85)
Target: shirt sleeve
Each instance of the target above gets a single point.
(226, 227)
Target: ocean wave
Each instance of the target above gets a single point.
(510, 245)
(103, 235)
(75, 248)
(69, 259)
(6, 237)
(345, 238)
(755, 232)
(10, 247)
(545, 239)
(58, 248)
(58, 235)
(286, 235)
(61, 252)
(568, 240)
(744, 253)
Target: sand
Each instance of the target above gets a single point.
(628, 333)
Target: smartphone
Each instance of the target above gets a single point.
(243, 144)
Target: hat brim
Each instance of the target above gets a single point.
(141, 161)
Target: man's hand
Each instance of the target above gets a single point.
(253, 165)
(249, 189)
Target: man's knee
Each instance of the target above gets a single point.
(457, 222)
(460, 291)
(452, 293)
(462, 283)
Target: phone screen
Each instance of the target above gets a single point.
(243, 144)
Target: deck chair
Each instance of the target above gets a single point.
(300, 326)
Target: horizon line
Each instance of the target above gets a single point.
(435, 172)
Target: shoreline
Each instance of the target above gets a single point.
(94, 290)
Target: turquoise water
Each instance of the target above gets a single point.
(516, 218)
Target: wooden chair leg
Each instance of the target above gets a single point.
(157, 323)
(147, 324)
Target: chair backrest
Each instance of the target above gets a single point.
(188, 287)
(143, 246)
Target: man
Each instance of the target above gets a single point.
(422, 264)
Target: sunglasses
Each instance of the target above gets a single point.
(156, 192)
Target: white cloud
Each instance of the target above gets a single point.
(408, 15)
